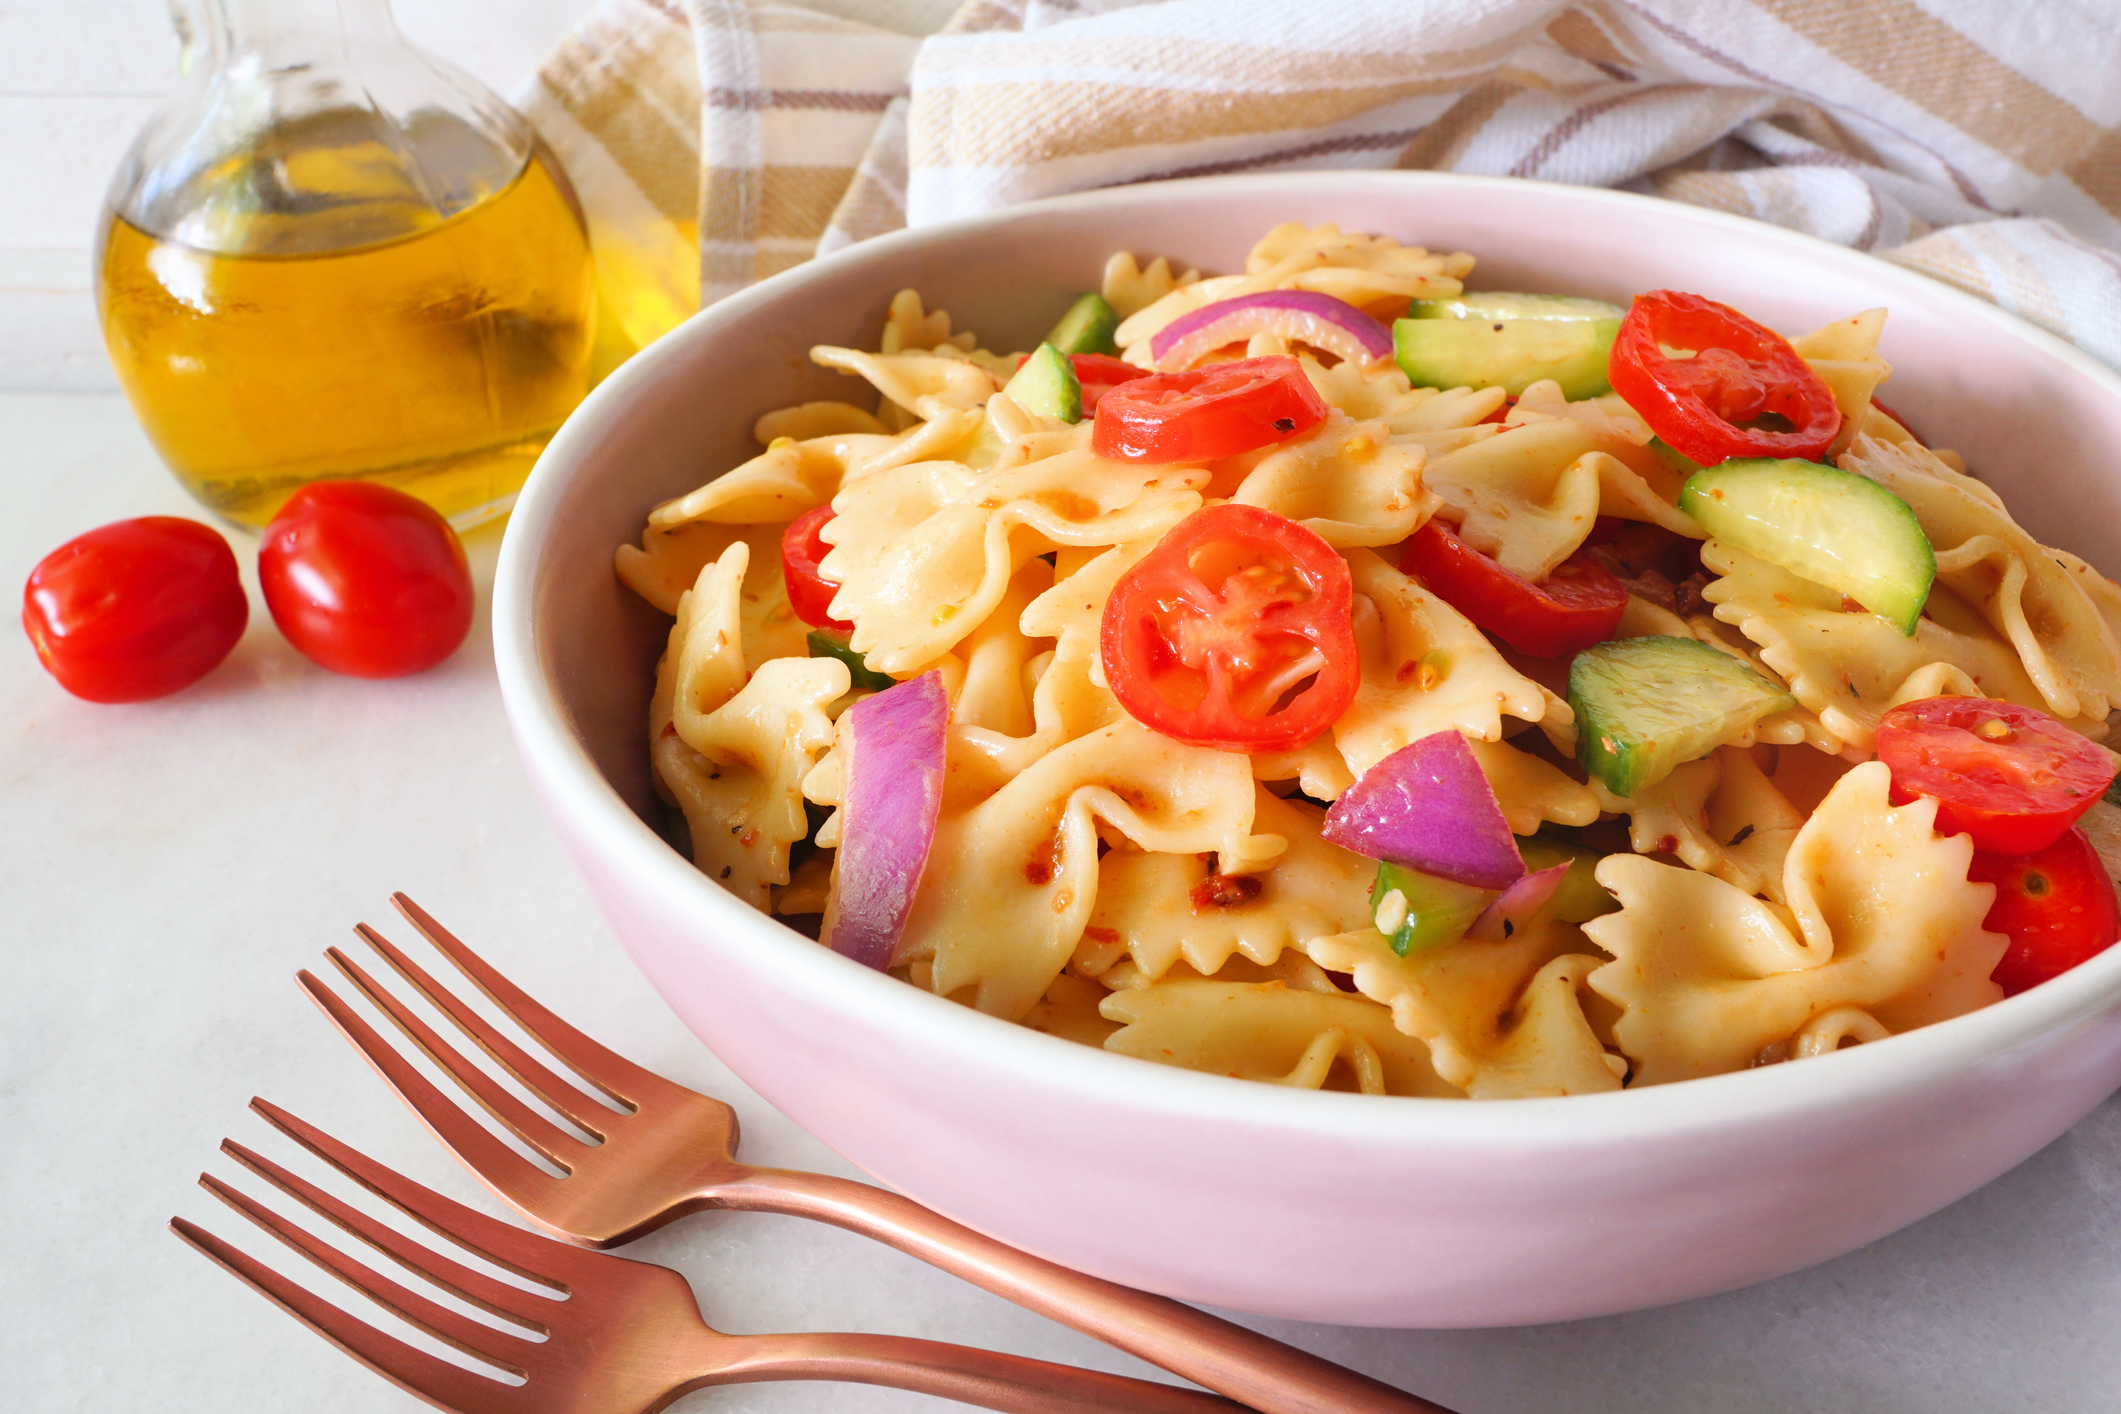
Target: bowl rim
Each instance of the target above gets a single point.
(574, 786)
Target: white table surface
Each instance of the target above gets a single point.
(167, 867)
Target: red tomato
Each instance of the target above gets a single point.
(135, 609)
(809, 592)
(1500, 414)
(2013, 778)
(2057, 906)
(365, 580)
(1741, 372)
(1233, 633)
(1579, 604)
(1205, 413)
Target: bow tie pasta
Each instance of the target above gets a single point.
(1484, 706)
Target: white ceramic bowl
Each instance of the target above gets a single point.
(1325, 1207)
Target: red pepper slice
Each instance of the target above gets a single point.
(1741, 373)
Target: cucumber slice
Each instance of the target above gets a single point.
(1672, 457)
(1087, 327)
(1429, 911)
(1509, 353)
(1493, 306)
(1829, 526)
(862, 677)
(1047, 385)
(1581, 897)
(1646, 705)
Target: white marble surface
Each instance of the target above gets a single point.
(167, 867)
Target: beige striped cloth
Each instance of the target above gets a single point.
(718, 141)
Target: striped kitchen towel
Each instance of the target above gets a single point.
(1978, 142)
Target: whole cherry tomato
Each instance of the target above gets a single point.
(2057, 906)
(135, 609)
(1234, 632)
(2012, 778)
(365, 580)
(1741, 373)
(1579, 604)
(809, 592)
(1204, 413)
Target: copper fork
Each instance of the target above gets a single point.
(673, 1152)
(618, 1336)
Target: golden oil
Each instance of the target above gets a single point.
(300, 347)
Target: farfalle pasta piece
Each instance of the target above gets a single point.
(747, 741)
(805, 421)
(1526, 497)
(1847, 665)
(778, 484)
(1721, 815)
(1271, 1032)
(995, 692)
(1845, 356)
(1425, 669)
(1502, 1019)
(1012, 881)
(1880, 916)
(924, 384)
(1530, 791)
(2013, 581)
(923, 553)
(1130, 288)
(667, 563)
(1160, 909)
(1381, 393)
(1345, 480)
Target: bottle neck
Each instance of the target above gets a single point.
(300, 31)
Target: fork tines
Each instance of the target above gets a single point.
(413, 1369)
(509, 1172)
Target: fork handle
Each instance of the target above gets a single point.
(1256, 1370)
(987, 1378)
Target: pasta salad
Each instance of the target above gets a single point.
(1320, 674)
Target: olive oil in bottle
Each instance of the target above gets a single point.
(298, 281)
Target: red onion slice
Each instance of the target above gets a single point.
(892, 754)
(1514, 906)
(1302, 316)
(1429, 806)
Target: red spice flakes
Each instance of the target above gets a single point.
(1223, 891)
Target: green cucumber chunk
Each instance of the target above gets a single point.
(1823, 524)
(862, 677)
(1429, 912)
(1047, 385)
(1087, 327)
(1510, 354)
(1581, 897)
(1672, 457)
(1646, 705)
(1497, 305)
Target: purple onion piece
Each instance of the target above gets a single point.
(893, 757)
(1514, 906)
(1305, 316)
(1430, 807)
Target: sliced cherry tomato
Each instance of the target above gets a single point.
(1204, 413)
(2013, 778)
(2057, 906)
(365, 580)
(1234, 632)
(809, 592)
(135, 609)
(1579, 604)
(1741, 373)
(1097, 374)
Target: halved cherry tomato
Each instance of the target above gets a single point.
(1098, 374)
(2013, 778)
(809, 593)
(2057, 905)
(135, 609)
(365, 580)
(1579, 604)
(1234, 632)
(1741, 372)
(1204, 413)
